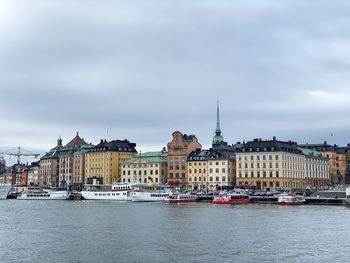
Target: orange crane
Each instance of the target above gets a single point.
(19, 154)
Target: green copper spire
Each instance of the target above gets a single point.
(217, 137)
(59, 141)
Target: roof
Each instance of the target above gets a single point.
(84, 149)
(211, 154)
(311, 152)
(150, 157)
(188, 138)
(321, 147)
(75, 143)
(259, 145)
(115, 146)
(199, 155)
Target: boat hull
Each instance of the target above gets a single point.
(180, 201)
(44, 196)
(108, 195)
(290, 203)
(148, 197)
(231, 202)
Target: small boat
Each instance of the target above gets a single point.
(290, 199)
(347, 197)
(180, 198)
(231, 199)
(44, 195)
(4, 190)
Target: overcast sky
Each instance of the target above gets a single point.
(148, 68)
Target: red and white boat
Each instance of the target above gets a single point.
(180, 198)
(231, 199)
(290, 199)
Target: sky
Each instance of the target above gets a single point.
(140, 70)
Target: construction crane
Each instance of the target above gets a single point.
(19, 154)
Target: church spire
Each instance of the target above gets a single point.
(217, 137)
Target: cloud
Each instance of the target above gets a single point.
(149, 68)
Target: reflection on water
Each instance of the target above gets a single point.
(90, 231)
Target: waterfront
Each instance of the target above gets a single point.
(88, 231)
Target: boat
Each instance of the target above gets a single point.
(231, 199)
(4, 191)
(44, 195)
(144, 193)
(290, 199)
(180, 198)
(347, 196)
(116, 192)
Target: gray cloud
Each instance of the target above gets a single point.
(147, 68)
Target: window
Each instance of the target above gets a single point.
(217, 170)
(276, 165)
(223, 178)
(270, 157)
(277, 174)
(258, 157)
(210, 179)
(195, 171)
(246, 174)
(251, 174)
(183, 167)
(217, 178)
(264, 173)
(258, 165)
(190, 171)
(252, 165)
(239, 165)
(183, 175)
(277, 184)
(271, 184)
(270, 165)
(270, 174)
(246, 165)
(210, 170)
(264, 157)
(252, 158)
(223, 170)
(276, 157)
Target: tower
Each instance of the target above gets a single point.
(218, 139)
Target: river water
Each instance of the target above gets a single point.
(94, 231)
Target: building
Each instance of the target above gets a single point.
(33, 174)
(197, 170)
(270, 164)
(337, 160)
(102, 162)
(147, 168)
(316, 168)
(66, 157)
(49, 166)
(178, 150)
(79, 166)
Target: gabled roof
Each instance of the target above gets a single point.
(115, 146)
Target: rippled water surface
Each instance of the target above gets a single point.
(66, 231)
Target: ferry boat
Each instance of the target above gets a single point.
(180, 198)
(4, 191)
(118, 192)
(290, 199)
(145, 193)
(44, 195)
(231, 199)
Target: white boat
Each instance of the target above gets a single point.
(347, 197)
(145, 193)
(4, 191)
(290, 199)
(180, 198)
(106, 195)
(116, 192)
(44, 195)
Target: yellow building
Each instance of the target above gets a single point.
(102, 163)
(270, 164)
(197, 170)
(147, 168)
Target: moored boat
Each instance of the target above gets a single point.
(116, 192)
(180, 198)
(4, 191)
(347, 196)
(231, 199)
(290, 199)
(44, 195)
(145, 193)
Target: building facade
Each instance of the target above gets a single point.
(270, 164)
(197, 170)
(337, 160)
(102, 162)
(178, 150)
(79, 167)
(49, 167)
(147, 168)
(66, 157)
(316, 168)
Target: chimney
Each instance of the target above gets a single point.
(274, 138)
(324, 142)
(101, 141)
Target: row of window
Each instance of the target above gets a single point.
(156, 180)
(151, 172)
(177, 167)
(176, 160)
(258, 174)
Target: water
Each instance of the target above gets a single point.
(90, 231)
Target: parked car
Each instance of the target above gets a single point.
(200, 193)
(268, 193)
